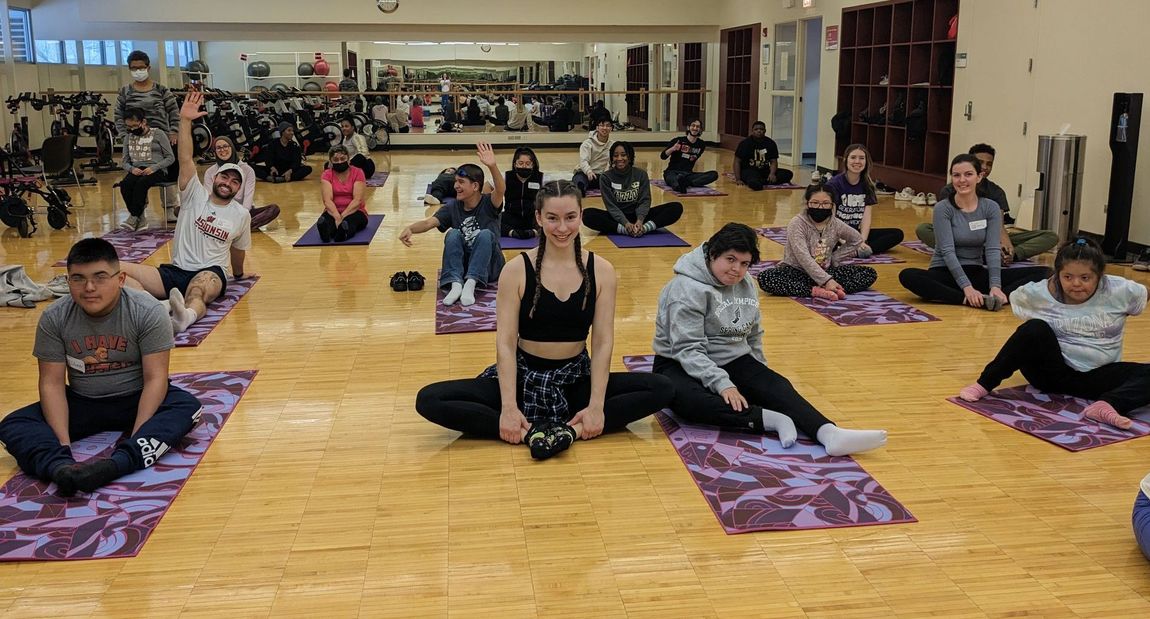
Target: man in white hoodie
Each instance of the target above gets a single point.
(594, 157)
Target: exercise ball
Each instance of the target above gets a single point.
(312, 86)
(259, 69)
(280, 87)
(305, 69)
(331, 86)
(196, 70)
(321, 67)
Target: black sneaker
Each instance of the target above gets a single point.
(549, 438)
(415, 281)
(399, 282)
(1143, 261)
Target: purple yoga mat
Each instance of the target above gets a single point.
(868, 307)
(779, 235)
(377, 179)
(363, 237)
(752, 483)
(692, 192)
(1054, 418)
(134, 246)
(506, 242)
(759, 267)
(198, 332)
(459, 319)
(731, 177)
(923, 248)
(657, 238)
(116, 520)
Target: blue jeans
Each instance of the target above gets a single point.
(445, 101)
(480, 262)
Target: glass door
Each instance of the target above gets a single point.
(784, 89)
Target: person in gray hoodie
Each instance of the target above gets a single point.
(709, 342)
(627, 196)
(147, 154)
(593, 157)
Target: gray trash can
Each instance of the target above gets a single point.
(1058, 198)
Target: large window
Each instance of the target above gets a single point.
(20, 29)
(180, 53)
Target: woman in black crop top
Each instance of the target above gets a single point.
(544, 389)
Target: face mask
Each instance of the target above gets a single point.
(140, 75)
(340, 167)
(819, 215)
(523, 172)
(137, 131)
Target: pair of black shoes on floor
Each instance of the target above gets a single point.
(549, 438)
(402, 282)
(85, 476)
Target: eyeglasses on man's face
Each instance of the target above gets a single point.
(98, 279)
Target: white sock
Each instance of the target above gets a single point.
(648, 226)
(182, 316)
(782, 425)
(620, 228)
(453, 295)
(842, 442)
(167, 306)
(468, 295)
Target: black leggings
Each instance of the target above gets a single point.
(602, 221)
(787, 281)
(883, 239)
(134, 190)
(298, 173)
(1034, 350)
(936, 283)
(472, 406)
(364, 163)
(585, 184)
(689, 179)
(760, 385)
(349, 227)
(757, 179)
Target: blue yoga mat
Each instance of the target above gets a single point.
(657, 238)
(363, 237)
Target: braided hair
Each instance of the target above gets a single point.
(558, 189)
(1078, 249)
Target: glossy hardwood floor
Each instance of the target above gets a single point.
(326, 495)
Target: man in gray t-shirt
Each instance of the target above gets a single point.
(103, 360)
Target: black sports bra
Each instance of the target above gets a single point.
(555, 320)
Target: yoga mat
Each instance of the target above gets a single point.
(377, 179)
(506, 242)
(691, 191)
(868, 307)
(731, 177)
(459, 319)
(134, 246)
(116, 520)
(923, 248)
(759, 267)
(1054, 418)
(593, 193)
(363, 237)
(752, 484)
(198, 332)
(656, 238)
(779, 235)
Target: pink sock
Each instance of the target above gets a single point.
(841, 294)
(1105, 413)
(973, 393)
(822, 293)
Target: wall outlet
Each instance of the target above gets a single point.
(514, 138)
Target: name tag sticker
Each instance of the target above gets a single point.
(533, 185)
(978, 224)
(76, 364)
(616, 186)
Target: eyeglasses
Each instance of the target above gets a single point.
(223, 147)
(98, 279)
(821, 204)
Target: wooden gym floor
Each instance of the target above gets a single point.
(327, 495)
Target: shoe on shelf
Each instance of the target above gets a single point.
(130, 223)
(919, 199)
(1143, 261)
(931, 199)
(906, 194)
(399, 282)
(884, 81)
(415, 281)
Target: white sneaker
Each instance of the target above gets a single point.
(919, 199)
(906, 194)
(931, 199)
(141, 221)
(130, 223)
(827, 177)
(816, 177)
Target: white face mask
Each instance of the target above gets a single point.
(140, 75)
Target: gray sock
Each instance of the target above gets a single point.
(782, 425)
(621, 229)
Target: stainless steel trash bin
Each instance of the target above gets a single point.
(1058, 198)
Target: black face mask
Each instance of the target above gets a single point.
(340, 167)
(819, 215)
(523, 172)
(137, 131)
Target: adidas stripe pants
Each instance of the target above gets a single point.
(28, 437)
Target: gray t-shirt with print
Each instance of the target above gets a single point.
(104, 355)
(484, 216)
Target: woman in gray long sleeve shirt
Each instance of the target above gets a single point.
(967, 264)
(627, 196)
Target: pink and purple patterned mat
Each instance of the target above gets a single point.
(692, 192)
(114, 521)
(198, 332)
(459, 319)
(779, 235)
(731, 177)
(1054, 418)
(136, 246)
(869, 307)
(752, 484)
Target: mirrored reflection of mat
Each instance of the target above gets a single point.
(459, 319)
(752, 484)
(1053, 418)
(116, 520)
(507, 242)
(868, 307)
(363, 237)
(691, 191)
(377, 179)
(925, 249)
(731, 177)
(656, 238)
(135, 246)
(779, 235)
(217, 310)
